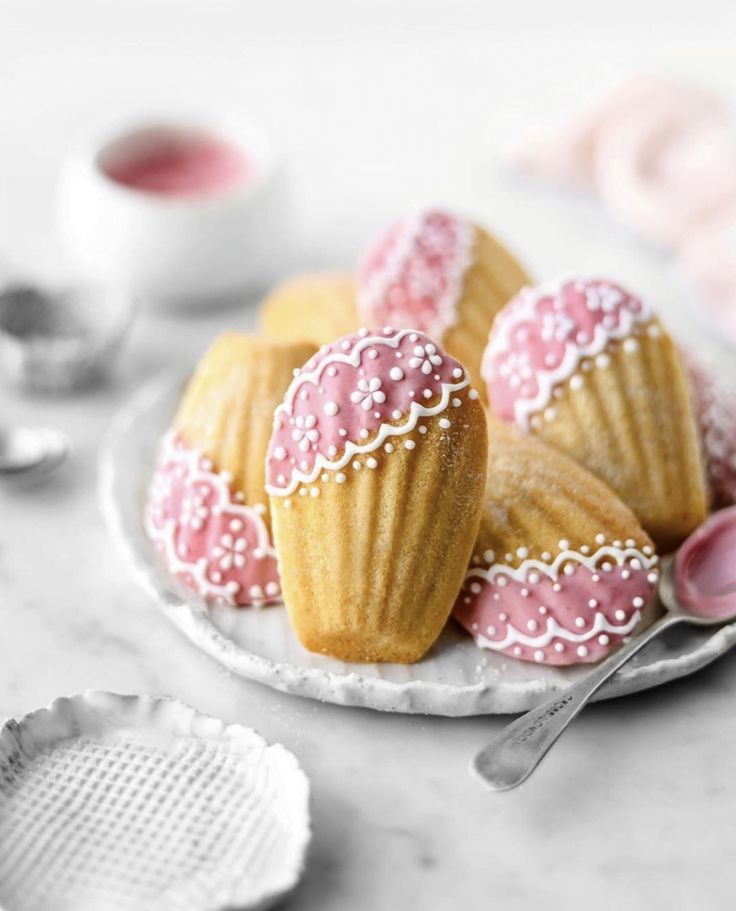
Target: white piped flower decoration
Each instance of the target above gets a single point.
(305, 431)
(194, 511)
(230, 552)
(368, 393)
(425, 358)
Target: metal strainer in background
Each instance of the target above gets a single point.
(127, 803)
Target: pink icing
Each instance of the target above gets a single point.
(542, 335)
(715, 406)
(705, 567)
(352, 397)
(174, 162)
(412, 276)
(206, 535)
(571, 611)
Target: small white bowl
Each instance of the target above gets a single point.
(176, 250)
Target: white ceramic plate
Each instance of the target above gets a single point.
(456, 678)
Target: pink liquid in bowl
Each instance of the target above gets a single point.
(176, 162)
(705, 568)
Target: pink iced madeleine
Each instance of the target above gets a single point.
(548, 335)
(570, 609)
(360, 394)
(206, 535)
(715, 408)
(412, 276)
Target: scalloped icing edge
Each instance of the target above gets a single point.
(416, 411)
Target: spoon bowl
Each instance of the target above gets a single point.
(26, 451)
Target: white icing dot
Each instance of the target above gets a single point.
(617, 544)
(630, 344)
(522, 553)
(473, 395)
(287, 504)
(364, 433)
(371, 462)
(236, 524)
(607, 567)
(542, 609)
(550, 414)
(396, 373)
(647, 549)
(372, 353)
(475, 587)
(534, 578)
(457, 373)
(582, 651)
(579, 622)
(343, 432)
(281, 479)
(456, 403)
(546, 555)
(630, 542)
(638, 602)
(332, 451)
(625, 574)
(539, 655)
(314, 492)
(517, 650)
(325, 477)
(602, 360)
(584, 549)
(389, 447)
(559, 647)
(502, 581)
(279, 452)
(427, 393)
(340, 478)
(445, 424)
(509, 558)
(396, 414)
(576, 381)
(422, 429)
(491, 630)
(592, 603)
(332, 371)
(600, 539)
(410, 444)
(474, 626)
(524, 593)
(532, 625)
(489, 555)
(635, 564)
(303, 492)
(331, 408)
(503, 616)
(563, 544)
(652, 577)
(620, 615)
(356, 465)
(569, 569)
(556, 587)
(603, 639)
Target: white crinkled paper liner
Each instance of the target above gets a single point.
(140, 803)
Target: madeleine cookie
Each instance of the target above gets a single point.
(207, 510)
(375, 474)
(315, 308)
(586, 367)
(561, 570)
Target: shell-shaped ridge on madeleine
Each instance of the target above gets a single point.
(414, 271)
(352, 396)
(541, 336)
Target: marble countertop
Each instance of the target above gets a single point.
(636, 801)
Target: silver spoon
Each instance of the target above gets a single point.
(31, 451)
(510, 757)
